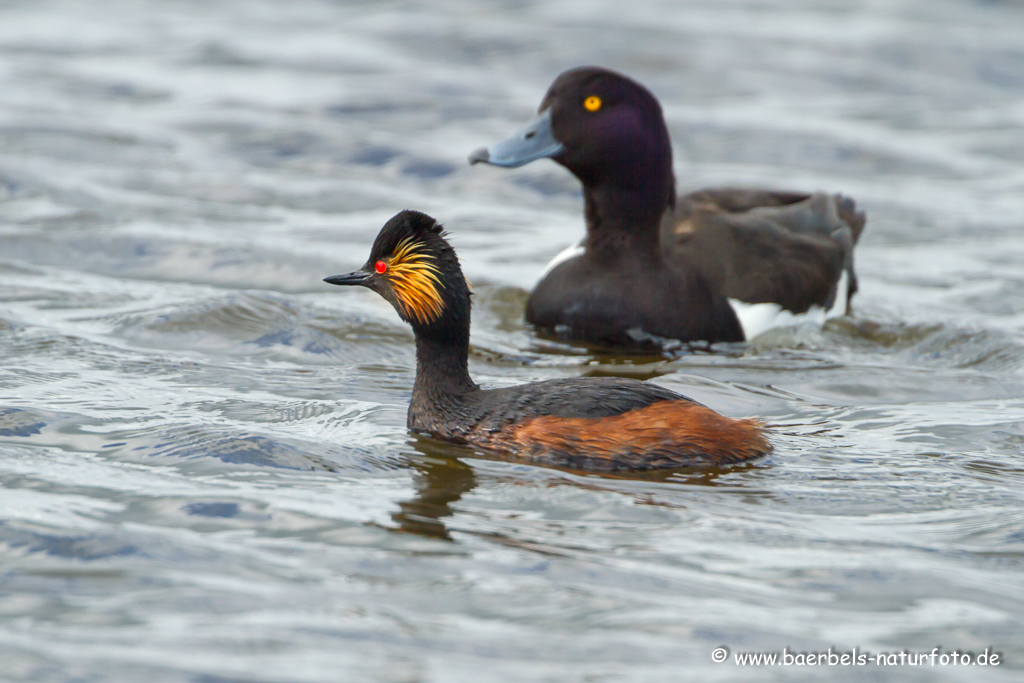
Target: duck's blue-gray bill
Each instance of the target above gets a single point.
(533, 141)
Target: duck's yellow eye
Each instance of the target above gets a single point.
(592, 103)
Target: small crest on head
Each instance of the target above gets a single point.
(407, 223)
(405, 254)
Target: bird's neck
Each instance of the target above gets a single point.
(442, 364)
(625, 213)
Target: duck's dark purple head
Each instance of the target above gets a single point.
(604, 127)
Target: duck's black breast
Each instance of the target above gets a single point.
(630, 300)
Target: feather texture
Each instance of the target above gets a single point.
(416, 281)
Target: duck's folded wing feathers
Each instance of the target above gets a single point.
(791, 254)
(794, 205)
(738, 200)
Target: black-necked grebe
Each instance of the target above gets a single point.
(598, 424)
(716, 265)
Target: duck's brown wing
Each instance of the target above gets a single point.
(738, 200)
(767, 247)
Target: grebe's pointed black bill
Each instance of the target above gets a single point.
(533, 141)
(360, 277)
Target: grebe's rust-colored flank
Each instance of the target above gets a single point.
(643, 438)
(598, 424)
(653, 265)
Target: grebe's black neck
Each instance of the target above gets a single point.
(442, 362)
(442, 344)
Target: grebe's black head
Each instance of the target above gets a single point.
(412, 265)
(604, 127)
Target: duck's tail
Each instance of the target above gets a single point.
(849, 214)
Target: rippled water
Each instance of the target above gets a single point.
(204, 471)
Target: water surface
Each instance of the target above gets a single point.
(204, 471)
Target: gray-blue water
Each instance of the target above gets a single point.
(204, 471)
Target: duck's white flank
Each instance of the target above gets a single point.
(759, 318)
(570, 252)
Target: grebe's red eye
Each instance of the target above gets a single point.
(380, 267)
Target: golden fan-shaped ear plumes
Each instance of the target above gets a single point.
(416, 281)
